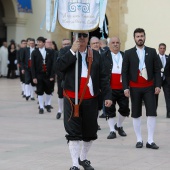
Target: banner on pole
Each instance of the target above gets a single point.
(75, 15)
(78, 14)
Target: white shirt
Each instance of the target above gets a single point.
(117, 62)
(141, 56)
(43, 52)
(163, 59)
(84, 70)
(31, 50)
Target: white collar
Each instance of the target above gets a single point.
(84, 52)
(42, 49)
(140, 49)
(162, 55)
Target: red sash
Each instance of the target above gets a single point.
(115, 81)
(44, 67)
(29, 63)
(87, 94)
(141, 82)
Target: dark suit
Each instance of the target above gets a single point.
(117, 94)
(43, 76)
(130, 69)
(26, 56)
(85, 126)
(165, 83)
(19, 60)
(59, 78)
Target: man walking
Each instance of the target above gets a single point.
(140, 70)
(43, 73)
(83, 127)
(165, 76)
(112, 59)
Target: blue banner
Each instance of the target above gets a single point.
(24, 6)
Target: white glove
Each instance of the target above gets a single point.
(15, 61)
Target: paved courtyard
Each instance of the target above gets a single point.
(30, 141)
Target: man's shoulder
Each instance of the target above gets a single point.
(67, 48)
(130, 50)
(122, 53)
(35, 51)
(106, 52)
(150, 48)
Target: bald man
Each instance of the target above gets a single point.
(112, 59)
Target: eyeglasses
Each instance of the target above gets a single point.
(82, 34)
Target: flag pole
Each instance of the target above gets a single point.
(76, 76)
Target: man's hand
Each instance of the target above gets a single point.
(35, 81)
(127, 93)
(51, 79)
(22, 71)
(108, 103)
(157, 90)
(76, 45)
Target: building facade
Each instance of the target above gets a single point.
(123, 17)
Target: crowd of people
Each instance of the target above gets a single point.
(106, 77)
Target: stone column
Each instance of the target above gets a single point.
(15, 28)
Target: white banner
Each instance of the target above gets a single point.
(48, 14)
(79, 15)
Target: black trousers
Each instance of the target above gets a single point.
(123, 102)
(22, 76)
(146, 94)
(166, 89)
(60, 89)
(44, 85)
(28, 77)
(11, 73)
(84, 127)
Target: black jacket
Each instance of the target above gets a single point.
(66, 64)
(108, 63)
(130, 66)
(25, 57)
(37, 63)
(167, 69)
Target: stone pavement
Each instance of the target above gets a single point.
(29, 141)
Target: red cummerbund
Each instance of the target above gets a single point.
(44, 67)
(29, 63)
(87, 94)
(141, 82)
(115, 81)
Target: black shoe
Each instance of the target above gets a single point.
(27, 98)
(120, 130)
(41, 111)
(24, 96)
(102, 115)
(112, 135)
(48, 108)
(32, 98)
(74, 168)
(51, 107)
(168, 115)
(152, 145)
(139, 145)
(99, 128)
(85, 164)
(58, 115)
